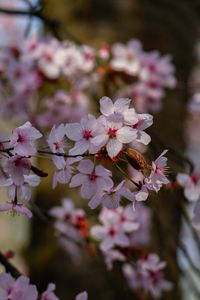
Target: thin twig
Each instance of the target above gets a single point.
(8, 266)
(63, 154)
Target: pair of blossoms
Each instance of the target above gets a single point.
(119, 236)
(105, 137)
(21, 289)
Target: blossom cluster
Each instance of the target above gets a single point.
(120, 236)
(155, 73)
(32, 67)
(77, 150)
(21, 289)
(74, 230)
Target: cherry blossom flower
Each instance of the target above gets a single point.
(74, 61)
(141, 194)
(104, 51)
(148, 276)
(139, 122)
(141, 237)
(110, 236)
(194, 105)
(56, 142)
(18, 188)
(65, 169)
(89, 58)
(157, 177)
(191, 185)
(16, 208)
(115, 226)
(110, 109)
(31, 48)
(146, 96)
(63, 107)
(110, 197)
(82, 134)
(91, 178)
(21, 289)
(52, 59)
(82, 296)
(22, 139)
(128, 219)
(126, 57)
(22, 191)
(17, 166)
(119, 110)
(49, 293)
(113, 135)
(17, 289)
(56, 139)
(111, 256)
(155, 67)
(67, 212)
(153, 182)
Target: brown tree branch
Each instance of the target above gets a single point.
(8, 266)
(36, 11)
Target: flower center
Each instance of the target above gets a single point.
(139, 123)
(112, 232)
(152, 67)
(92, 176)
(33, 46)
(194, 179)
(20, 138)
(18, 161)
(87, 134)
(130, 55)
(158, 170)
(155, 276)
(48, 57)
(57, 145)
(112, 132)
(123, 218)
(67, 216)
(18, 73)
(88, 56)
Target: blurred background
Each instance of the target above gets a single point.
(168, 26)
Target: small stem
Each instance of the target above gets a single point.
(8, 266)
(124, 173)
